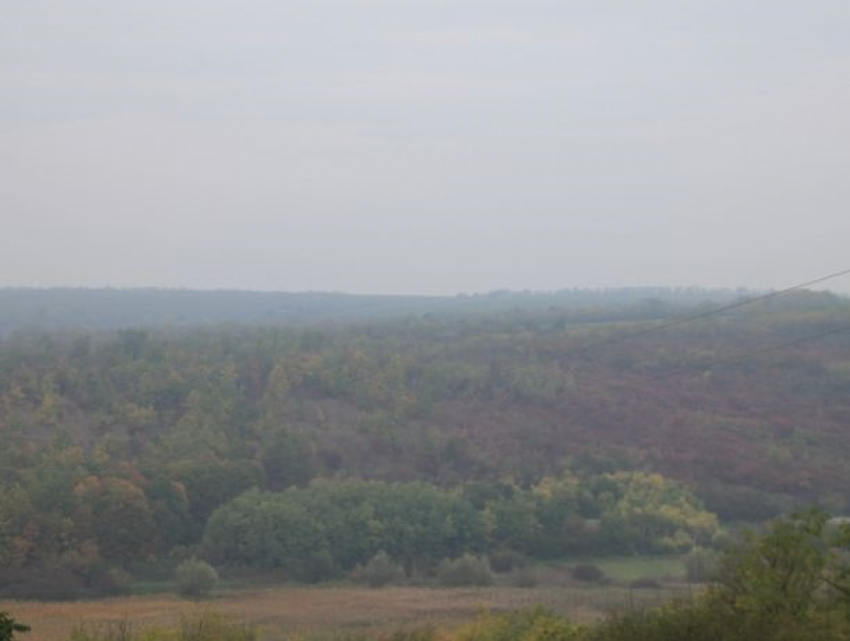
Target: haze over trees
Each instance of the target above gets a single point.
(110, 308)
(530, 429)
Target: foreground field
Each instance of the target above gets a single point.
(324, 612)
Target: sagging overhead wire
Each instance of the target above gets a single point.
(742, 356)
(613, 340)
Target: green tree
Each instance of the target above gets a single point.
(781, 573)
(287, 459)
(652, 514)
(116, 515)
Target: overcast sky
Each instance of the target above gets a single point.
(424, 146)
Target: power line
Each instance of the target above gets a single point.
(748, 354)
(694, 317)
(740, 356)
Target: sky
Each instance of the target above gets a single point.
(424, 146)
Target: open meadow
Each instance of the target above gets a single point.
(332, 612)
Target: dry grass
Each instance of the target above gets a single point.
(321, 611)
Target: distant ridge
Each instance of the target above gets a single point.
(107, 308)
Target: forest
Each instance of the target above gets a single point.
(513, 431)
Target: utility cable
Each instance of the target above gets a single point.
(746, 355)
(694, 317)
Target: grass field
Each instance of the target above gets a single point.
(627, 569)
(325, 612)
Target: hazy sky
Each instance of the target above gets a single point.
(424, 146)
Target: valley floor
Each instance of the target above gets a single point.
(324, 612)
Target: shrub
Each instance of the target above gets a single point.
(195, 578)
(466, 570)
(587, 572)
(8, 627)
(379, 571)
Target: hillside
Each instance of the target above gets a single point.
(160, 428)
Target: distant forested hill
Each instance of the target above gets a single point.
(68, 308)
(544, 428)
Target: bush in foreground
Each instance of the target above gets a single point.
(8, 627)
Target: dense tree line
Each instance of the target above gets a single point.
(116, 447)
(330, 527)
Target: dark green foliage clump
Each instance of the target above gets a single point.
(328, 528)
(8, 627)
